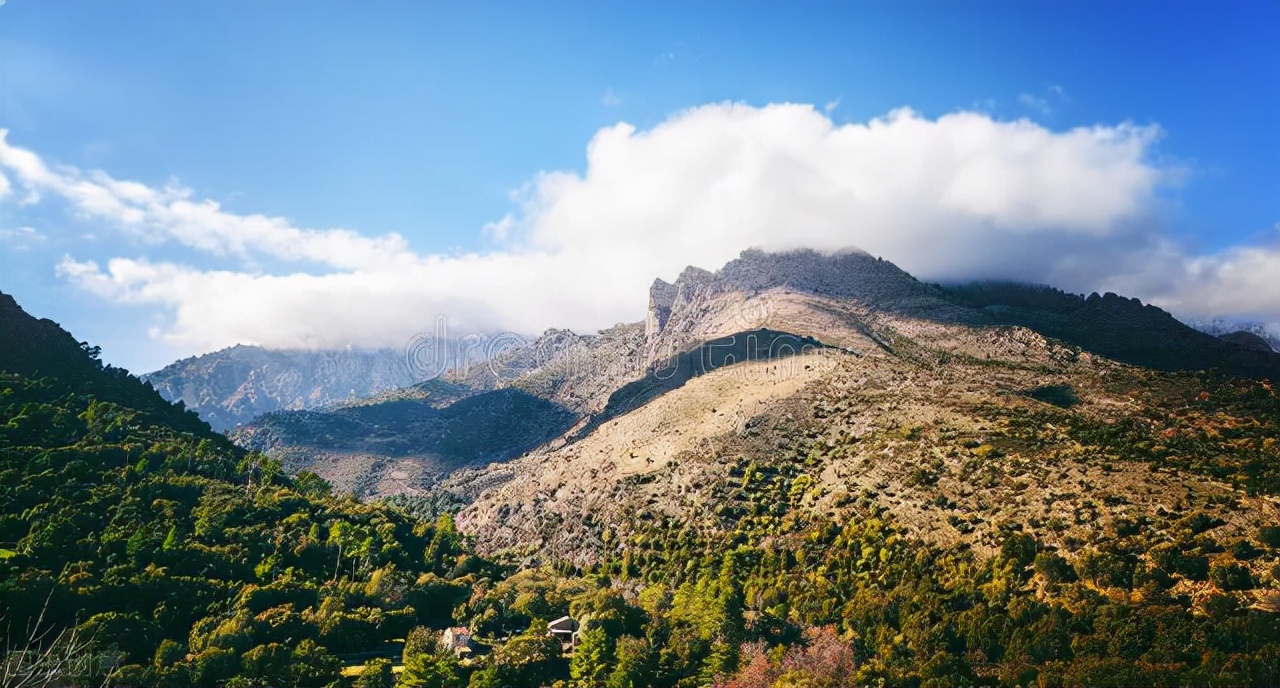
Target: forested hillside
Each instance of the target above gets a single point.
(144, 549)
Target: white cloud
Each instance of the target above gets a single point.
(169, 214)
(20, 238)
(1239, 281)
(610, 98)
(1052, 96)
(961, 196)
(1035, 103)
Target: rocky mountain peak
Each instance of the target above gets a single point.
(849, 273)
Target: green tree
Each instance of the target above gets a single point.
(213, 666)
(1231, 576)
(1053, 568)
(270, 662)
(169, 653)
(420, 640)
(376, 674)
(633, 668)
(528, 659)
(1020, 550)
(591, 659)
(173, 540)
(445, 545)
(424, 667)
(487, 677)
(311, 485)
(312, 666)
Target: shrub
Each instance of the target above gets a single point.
(1270, 536)
(1231, 576)
(1020, 549)
(1053, 568)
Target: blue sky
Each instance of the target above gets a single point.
(435, 120)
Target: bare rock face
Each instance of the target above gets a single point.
(848, 274)
(790, 292)
(579, 372)
(661, 297)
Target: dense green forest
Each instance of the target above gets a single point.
(139, 548)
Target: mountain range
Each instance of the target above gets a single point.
(762, 305)
(800, 469)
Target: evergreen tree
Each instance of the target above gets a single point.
(430, 670)
(591, 659)
(633, 667)
(445, 545)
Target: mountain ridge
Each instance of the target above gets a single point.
(235, 385)
(847, 300)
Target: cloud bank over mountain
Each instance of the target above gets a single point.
(963, 196)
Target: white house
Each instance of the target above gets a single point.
(566, 630)
(456, 639)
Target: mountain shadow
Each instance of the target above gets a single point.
(491, 426)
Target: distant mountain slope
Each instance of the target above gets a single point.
(1221, 327)
(1116, 327)
(1247, 340)
(436, 393)
(406, 440)
(847, 300)
(235, 385)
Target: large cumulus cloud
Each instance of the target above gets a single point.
(958, 197)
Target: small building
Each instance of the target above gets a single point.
(566, 630)
(456, 640)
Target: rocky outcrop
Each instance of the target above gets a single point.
(661, 297)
